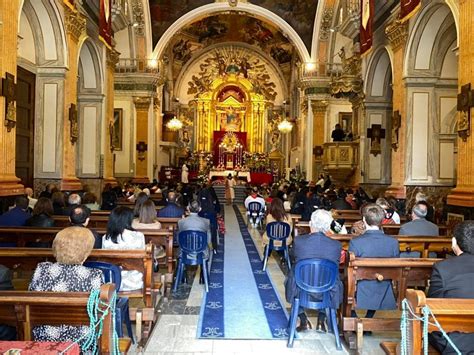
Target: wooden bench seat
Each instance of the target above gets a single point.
(25, 236)
(453, 315)
(27, 309)
(403, 272)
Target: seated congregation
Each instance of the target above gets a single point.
(372, 268)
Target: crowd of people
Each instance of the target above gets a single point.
(199, 209)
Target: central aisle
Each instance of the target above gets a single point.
(242, 302)
(244, 316)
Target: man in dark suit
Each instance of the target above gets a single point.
(18, 215)
(194, 222)
(171, 210)
(316, 245)
(372, 295)
(79, 217)
(418, 226)
(454, 278)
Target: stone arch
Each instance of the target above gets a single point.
(90, 107)
(379, 76)
(248, 8)
(378, 109)
(430, 71)
(434, 22)
(48, 32)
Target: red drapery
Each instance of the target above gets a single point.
(408, 8)
(366, 25)
(219, 135)
(105, 22)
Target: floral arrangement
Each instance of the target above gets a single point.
(256, 161)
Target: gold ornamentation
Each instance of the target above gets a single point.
(75, 23)
(112, 58)
(74, 126)
(464, 103)
(225, 62)
(397, 34)
(142, 103)
(138, 17)
(10, 118)
(326, 24)
(346, 80)
(319, 106)
(396, 124)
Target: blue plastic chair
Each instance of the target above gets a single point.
(255, 214)
(112, 274)
(277, 231)
(212, 217)
(314, 276)
(193, 246)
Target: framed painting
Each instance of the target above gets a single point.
(117, 132)
(345, 120)
(453, 220)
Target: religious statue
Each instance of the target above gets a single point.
(184, 174)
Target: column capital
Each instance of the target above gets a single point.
(75, 23)
(319, 106)
(397, 34)
(112, 58)
(142, 103)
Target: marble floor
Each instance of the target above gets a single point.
(176, 329)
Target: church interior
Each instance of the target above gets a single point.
(372, 95)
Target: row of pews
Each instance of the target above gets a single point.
(22, 259)
(404, 273)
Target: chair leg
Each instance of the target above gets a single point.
(128, 323)
(287, 257)
(294, 315)
(179, 275)
(266, 253)
(335, 329)
(328, 318)
(204, 272)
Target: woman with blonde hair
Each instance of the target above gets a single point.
(71, 247)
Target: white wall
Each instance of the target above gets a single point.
(124, 159)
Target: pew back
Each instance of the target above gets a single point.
(27, 309)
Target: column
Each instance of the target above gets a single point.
(112, 60)
(9, 183)
(319, 108)
(397, 33)
(142, 105)
(75, 30)
(463, 194)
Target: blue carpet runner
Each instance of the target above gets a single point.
(242, 302)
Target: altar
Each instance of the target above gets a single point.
(225, 173)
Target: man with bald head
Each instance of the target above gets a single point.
(172, 209)
(318, 245)
(419, 225)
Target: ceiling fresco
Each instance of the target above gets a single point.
(164, 12)
(299, 14)
(231, 28)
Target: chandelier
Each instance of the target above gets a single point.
(285, 126)
(174, 124)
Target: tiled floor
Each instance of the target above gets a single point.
(175, 332)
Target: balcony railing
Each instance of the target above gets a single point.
(132, 65)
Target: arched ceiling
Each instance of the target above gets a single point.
(299, 14)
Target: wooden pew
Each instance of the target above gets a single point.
(394, 229)
(27, 309)
(452, 314)
(24, 236)
(402, 272)
(422, 244)
(26, 259)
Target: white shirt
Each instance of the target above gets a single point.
(128, 240)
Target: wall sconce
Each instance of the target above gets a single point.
(142, 147)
